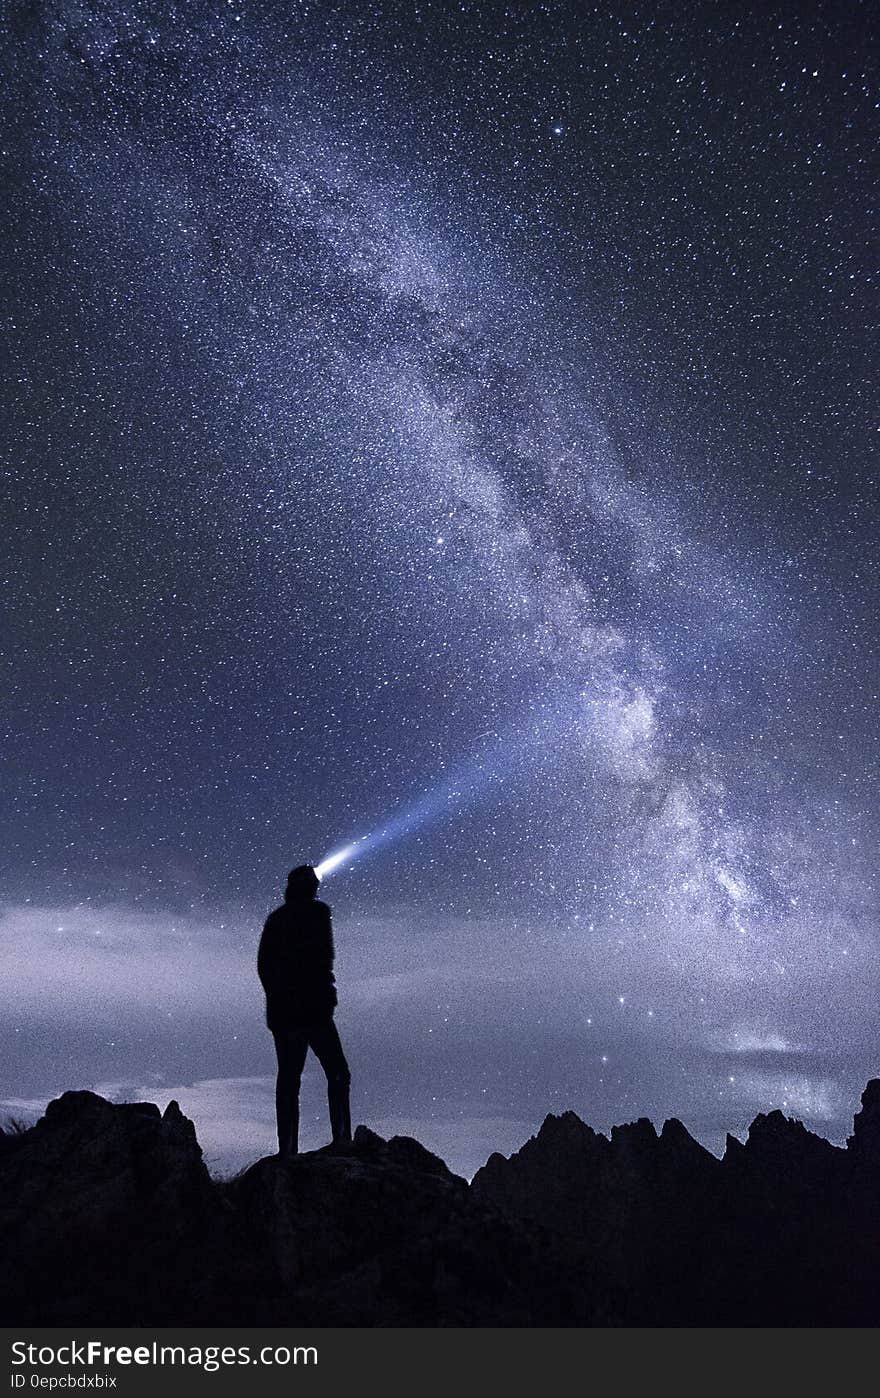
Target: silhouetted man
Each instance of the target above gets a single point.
(295, 965)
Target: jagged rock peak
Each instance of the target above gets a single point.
(770, 1125)
(78, 1113)
(75, 1105)
(865, 1140)
(405, 1152)
(675, 1131)
(365, 1139)
(635, 1133)
(566, 1126)
(781, 1142)
(771, 1129)
(678, 1141)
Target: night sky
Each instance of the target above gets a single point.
(457, 416)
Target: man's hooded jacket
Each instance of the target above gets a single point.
(295, 964)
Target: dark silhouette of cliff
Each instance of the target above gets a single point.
(783, 1230)
(108, 1215)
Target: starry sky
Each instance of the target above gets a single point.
(452, 421)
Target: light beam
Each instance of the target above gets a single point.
(548, 723)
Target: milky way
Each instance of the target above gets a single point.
(453, 424)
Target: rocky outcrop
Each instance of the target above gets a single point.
(635, 1201)
(108, 1215)
(385, 1234)
(865, 1140)
(784, 1230)
(103, 1212)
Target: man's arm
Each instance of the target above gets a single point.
(264, 958)
(326, 929)
(328, 951)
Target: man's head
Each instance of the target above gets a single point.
(302, 882)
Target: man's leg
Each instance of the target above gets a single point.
(291, 1046)
(324, 1040)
